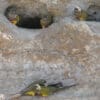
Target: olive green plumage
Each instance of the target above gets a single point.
(41, 88)
(83, 15)
(49, 89)
(30, 90)
(13, 14)
(46, 20)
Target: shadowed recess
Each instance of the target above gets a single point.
(20, 19)
(31, 23)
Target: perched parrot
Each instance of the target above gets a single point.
(83, 15)
(46, 20)
(80, 14)
(51, 89)
(11, 13)
(30, 90)
(40, 88)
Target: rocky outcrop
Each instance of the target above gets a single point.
(68, 49)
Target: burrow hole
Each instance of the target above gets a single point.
(20, 20)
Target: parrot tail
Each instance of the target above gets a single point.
(69, 86)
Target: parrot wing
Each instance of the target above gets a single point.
(52, 88)
(32, 86)
(61, 86)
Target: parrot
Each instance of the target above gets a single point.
(40, 88)
(46, 20)
(80, 14)
(50, 89)
(83, 15)
(30, 90)
(11, 13)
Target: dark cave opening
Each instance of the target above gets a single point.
(30, 23)
(21, 20)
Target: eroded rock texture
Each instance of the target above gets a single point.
(68, 49)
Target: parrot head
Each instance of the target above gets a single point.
(12, 14)
(80, 14)
(46, 21)
(14, 20)
(38, 87)
(77, 10)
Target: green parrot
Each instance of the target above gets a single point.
(80, 14)
(40, 88)
(46, 20)
(12, 14)
(30, 90)
(51, 89)
(32, 87)
(83, 15)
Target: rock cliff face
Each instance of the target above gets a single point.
(68, 49)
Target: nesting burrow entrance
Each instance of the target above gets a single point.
(20, 19)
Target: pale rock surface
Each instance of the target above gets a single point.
(66, 50)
